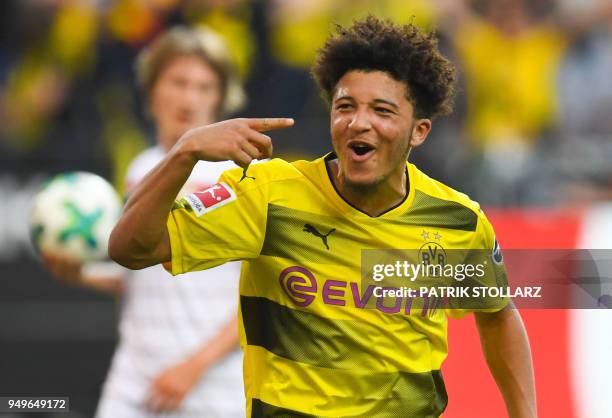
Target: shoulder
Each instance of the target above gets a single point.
(439, 190)
(265, 172)
(449, 207)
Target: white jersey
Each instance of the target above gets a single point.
(165, 319)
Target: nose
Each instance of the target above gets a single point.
(191, 97)
(360, 121)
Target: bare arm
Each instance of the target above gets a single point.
(170, 388)
(140, 238)
(71, 272)
(506, 348)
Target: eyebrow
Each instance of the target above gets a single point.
(392, 104)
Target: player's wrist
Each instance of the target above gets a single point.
(76, 276)
(185, 153)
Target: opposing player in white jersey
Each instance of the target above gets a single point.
(178, 352)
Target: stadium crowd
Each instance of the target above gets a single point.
(531, 125)
(531, 113)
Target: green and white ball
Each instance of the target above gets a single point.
(74, 214)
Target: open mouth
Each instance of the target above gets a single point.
(361, 149)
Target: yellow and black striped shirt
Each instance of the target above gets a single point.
(315, 345)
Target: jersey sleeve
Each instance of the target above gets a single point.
(486, 291)
(225, 222)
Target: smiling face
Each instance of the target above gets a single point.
(373, 127)
(186, 94)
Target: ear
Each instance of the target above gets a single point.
(419, 133)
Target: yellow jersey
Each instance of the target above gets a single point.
(511, 91)
(314, 343)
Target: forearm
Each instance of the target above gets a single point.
(140, 238)
(112, 285)
(170, 387)
(506, 349)
(218, 347)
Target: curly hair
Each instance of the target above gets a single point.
(404, 52)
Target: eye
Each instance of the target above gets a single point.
(384, 110)
(343, 106)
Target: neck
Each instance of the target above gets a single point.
(373, 200)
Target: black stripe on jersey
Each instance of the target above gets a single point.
(304, 337)
(286, 236)
(432, 212)
(260, 409)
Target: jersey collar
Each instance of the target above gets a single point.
(347, 208)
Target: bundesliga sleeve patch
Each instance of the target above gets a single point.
(209, 199)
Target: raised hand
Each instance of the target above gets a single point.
(74, 272)
(240, 140)
(63, 267)
(170, 387)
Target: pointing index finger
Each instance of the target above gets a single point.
(269, 124)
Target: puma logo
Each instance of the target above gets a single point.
(312, 230)
(244, 175)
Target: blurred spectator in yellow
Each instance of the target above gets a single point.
(136, 21)
(510, 52)
(37, 82)
(231, 19)
(509, 60)
(68, 52)
(299, 27)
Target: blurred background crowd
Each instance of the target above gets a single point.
(532, 125)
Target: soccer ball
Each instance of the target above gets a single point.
(74, 214)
